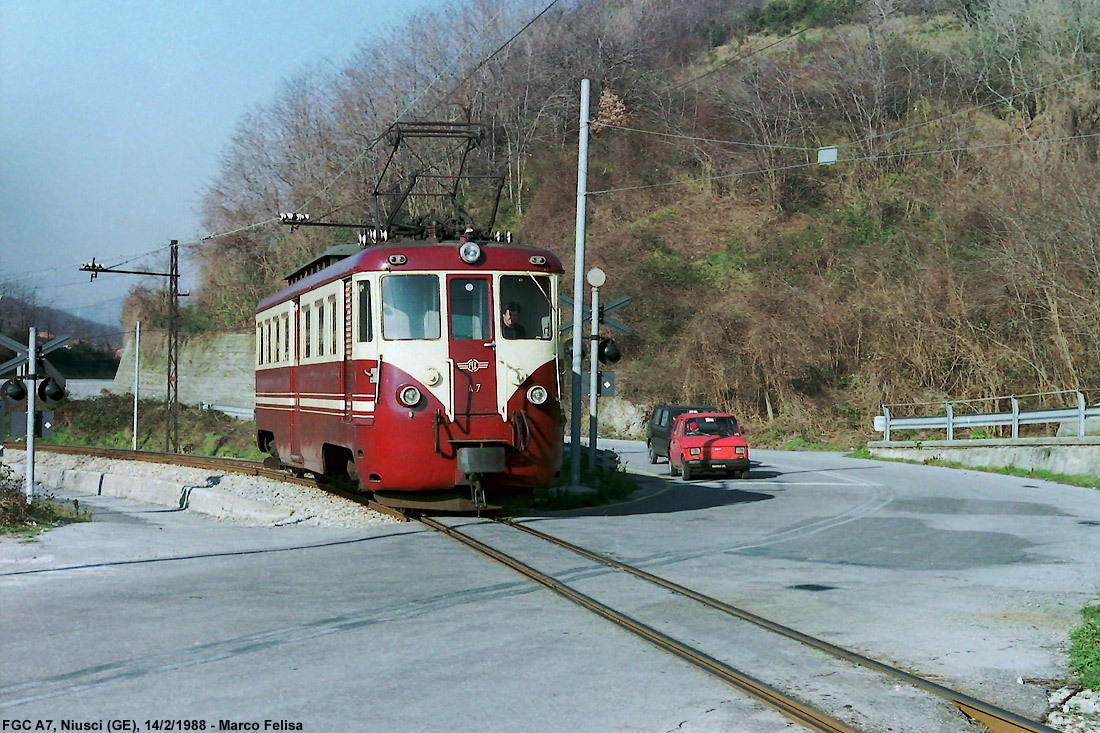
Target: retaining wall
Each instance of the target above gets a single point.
(217, 369)
(1078, 456)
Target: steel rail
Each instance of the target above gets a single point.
(993, 717)
(811, 718)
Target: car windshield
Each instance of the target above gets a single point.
(716, 426)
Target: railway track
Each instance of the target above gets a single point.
(994, 718)
(991, 716)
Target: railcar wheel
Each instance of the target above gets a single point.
(653, 457)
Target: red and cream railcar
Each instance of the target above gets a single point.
(397, 366)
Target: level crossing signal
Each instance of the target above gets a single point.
(607, 351)
(51, 383)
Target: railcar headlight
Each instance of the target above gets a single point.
(537, 394)
(432, 376)
(409, 396)
(469, 252)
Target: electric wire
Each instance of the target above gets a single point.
(860, 159)
(694, 138)
(362, 154)
(733, 61)
(370, 146)
(971, 109)
(196, 244)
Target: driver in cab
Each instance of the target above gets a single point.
(511, 328)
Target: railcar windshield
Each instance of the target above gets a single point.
(525, 307)
(471, 312)
(712, 426)
(410, 307)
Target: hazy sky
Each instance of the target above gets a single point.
(114, 114)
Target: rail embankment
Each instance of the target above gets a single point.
(1061, 455)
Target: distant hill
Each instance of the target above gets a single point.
(17, 315)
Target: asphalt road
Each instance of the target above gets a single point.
(973, 579)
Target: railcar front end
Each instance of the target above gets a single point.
(427, 372)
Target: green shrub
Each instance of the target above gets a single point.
(1085, 649)
(21, 517)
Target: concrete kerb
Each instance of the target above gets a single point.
(81, 482)
(228, 506)
(201, 499)
(1075, 456)
(148, 490)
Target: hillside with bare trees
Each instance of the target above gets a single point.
(952, 251)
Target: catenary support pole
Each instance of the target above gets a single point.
(32, 358)
(171, 397)
(578, 290)
(137, 379)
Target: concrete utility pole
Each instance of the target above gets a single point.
(578, 289)
(32, 357)
(137, 379)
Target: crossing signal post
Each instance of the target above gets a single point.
(51, 389)
(603, 349)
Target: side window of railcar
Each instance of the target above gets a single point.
(365, 328)
(286, 337)
(319, 306)
(259, 344)
(306, 331)
(471, 312)
(525, 307)
(333, 324)
(410, 307)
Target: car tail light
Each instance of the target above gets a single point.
(696, 451)
(742, 450)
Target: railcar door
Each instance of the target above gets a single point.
(472, 345)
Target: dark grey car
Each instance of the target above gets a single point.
(660, 427)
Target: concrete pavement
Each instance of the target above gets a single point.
(973, 579)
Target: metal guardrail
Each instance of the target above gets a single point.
(886, 422)
(241, 413)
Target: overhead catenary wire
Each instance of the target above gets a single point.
(860, 159)
(1003, 100)
(408, 107)
(696, 138)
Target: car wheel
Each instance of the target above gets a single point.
(687, 472)
(672, 470)
(652, 453)
(744, 474)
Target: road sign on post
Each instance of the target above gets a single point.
(43, 423)
(605, 384)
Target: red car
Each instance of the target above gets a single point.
(708, 441)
